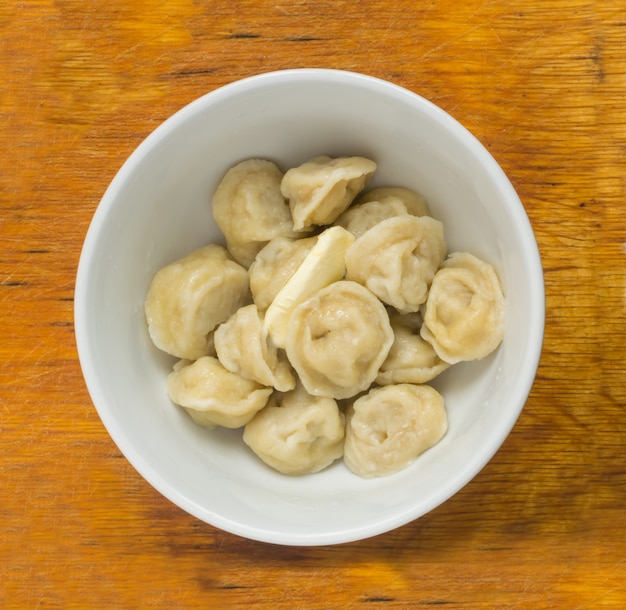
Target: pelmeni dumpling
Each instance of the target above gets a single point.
(397, 259)
(188, 298)
(242, 348)
(390, 426)
(415, 203)
(464, 313)
(274, 265)
(362, 217)
(322, 188)
(411, 359)
(338, 339)
(249, 208)
(213, 396)
(297, 433)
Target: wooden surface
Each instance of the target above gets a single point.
(542, 83)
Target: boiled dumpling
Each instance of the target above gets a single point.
(397, 259)
(297, 433)
(213, 396)
(274, 265)
(414, 202)
(242, 348)
(249, 208)
(362, 217)
(337, 340)
(390, 426)
(464, 313)
(321, 189)
(188, 298)
(411, 359)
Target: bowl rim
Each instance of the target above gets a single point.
(92, 376)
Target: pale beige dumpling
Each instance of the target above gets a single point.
(188, 298)
(322, 188)
(464, 313)
(274, 265)
(415, 203)
(249, 208)
(297, 433)
(389, 427)
(397, 260)
(213, 396)
(242, 347)
(411, 359)
(338, 339)
(362, 217)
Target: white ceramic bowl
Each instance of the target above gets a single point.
(157, 209)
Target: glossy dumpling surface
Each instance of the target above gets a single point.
(338, 339)
(397, 259)
(297, 433)
(188, 298)
(411, 359)
(322, 188)
(249, 208)
(390, 426)
(242, 348)
(464, 313)
(213, 396)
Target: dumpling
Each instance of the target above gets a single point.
(242, 348)
(397, 259)
(249, 208)
(411, 359)
(274, 265)
(213, 396)
(297, 433)
(188, 298)
(338, 339)
(391, 426)
(415, 203)
(464, 313)
(321, 189)
(362, 217)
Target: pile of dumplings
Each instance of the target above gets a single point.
(319, 325)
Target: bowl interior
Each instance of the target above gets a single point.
(158, 209)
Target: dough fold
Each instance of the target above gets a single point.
(464, 313)
(397, 259)
(213, 396)
(297, 433)
(188, 298)
(322, 188)
(337, 340)
(389, 427)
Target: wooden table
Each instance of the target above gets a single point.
(542, 83)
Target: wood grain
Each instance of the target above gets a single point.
(541, 84)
